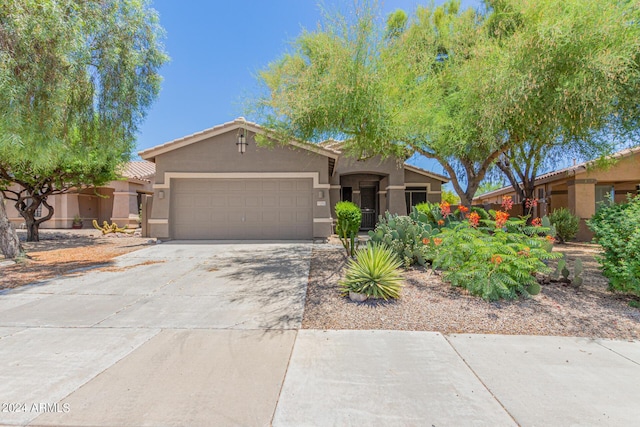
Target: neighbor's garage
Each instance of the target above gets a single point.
(258, 209)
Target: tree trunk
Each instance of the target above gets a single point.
(9, 242)
(32, 227)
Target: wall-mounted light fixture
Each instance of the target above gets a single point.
(320, 194)
(160, 194)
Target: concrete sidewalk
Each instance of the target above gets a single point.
(198, 335)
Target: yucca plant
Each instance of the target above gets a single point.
(374, 273)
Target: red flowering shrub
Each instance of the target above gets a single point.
(507, 203)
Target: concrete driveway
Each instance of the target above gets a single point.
(207, 335)
(176, 334)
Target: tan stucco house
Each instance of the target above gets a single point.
(117, 201)
(580, 188)
(205, 188)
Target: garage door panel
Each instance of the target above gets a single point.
(270, 185)
(236, 185)
(303, 185)
(287, 185)
(285, 202)
(241, 209)
(302, 217)
(236, 202)
(252, 217)
(303, 201)
(201, 216)
(269, 217)
(269, 202)
(253, 202)
(202, 201)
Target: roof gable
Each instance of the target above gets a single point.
(151, 153)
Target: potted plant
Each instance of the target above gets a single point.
(77, 222)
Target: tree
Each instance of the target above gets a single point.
(574, 73)
(388, 92)
(9, 244)
(466, 88)
(76, 78)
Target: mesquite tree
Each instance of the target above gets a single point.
(76, 78)
(467, 88)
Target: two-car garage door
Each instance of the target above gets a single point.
(260, 209)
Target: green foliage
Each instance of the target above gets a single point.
(76, 78)
(617, 229)
(488, 185)
(565, 224)
(374, 273)
(349, 218)
(405, 236)
(460, 86)
(492, 265)
(450, 197)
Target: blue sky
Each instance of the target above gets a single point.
(217, 48)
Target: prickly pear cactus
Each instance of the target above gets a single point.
(405, 235)
(577, 273)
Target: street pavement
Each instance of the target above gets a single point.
(183, 334)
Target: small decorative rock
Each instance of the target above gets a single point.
(354, 296)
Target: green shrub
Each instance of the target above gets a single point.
(349, 218)
(565, 223)
(617, 229)
(374, 273)
(492, 265)
(405, 236)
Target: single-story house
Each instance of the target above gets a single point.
(117, 201)
(580, 188)
(218, 184)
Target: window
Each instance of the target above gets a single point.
(414, 196)
(347, 194)
(540, 193)
(604, 195)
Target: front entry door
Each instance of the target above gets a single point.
(368, 205)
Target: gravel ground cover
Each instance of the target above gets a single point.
(429, 304)
(64, 252)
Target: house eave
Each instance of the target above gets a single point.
(151, 153)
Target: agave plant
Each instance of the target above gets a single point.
(374, 273)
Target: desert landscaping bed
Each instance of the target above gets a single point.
(429, 304)
(59, 253)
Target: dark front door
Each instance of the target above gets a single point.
(368, 205)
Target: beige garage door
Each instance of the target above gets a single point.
(241, 209)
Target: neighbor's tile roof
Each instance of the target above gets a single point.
(141, 170)
(559, 173)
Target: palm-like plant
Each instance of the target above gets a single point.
(374, 273)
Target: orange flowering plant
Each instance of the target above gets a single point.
(492, 264)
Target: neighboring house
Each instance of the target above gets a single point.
(217, 184)
(116, 201)
(580, 188)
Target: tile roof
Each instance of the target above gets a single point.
(560, 173)
(142, 170)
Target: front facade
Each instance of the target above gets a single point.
(206, 189)
(580, 188)
(117, 201)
